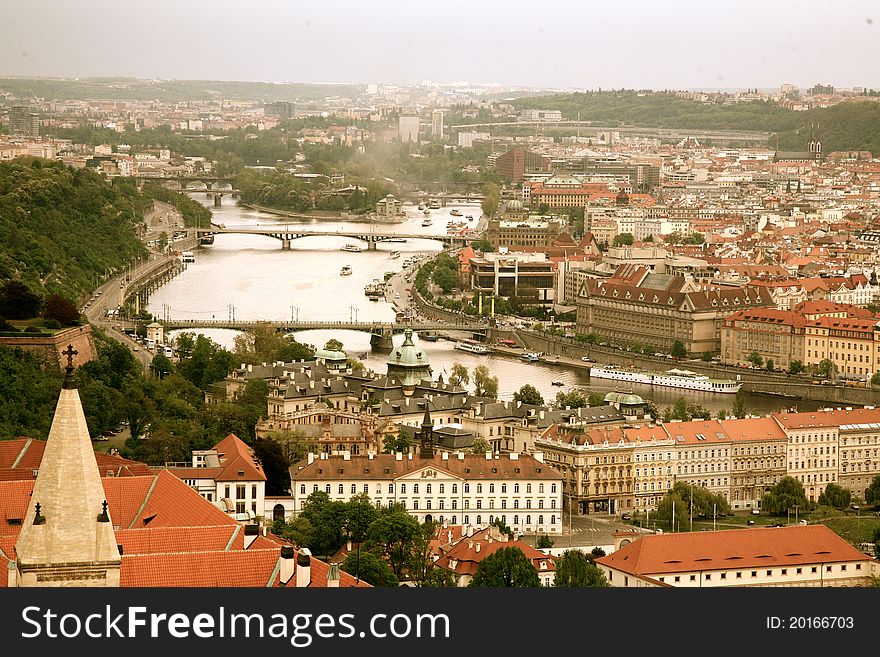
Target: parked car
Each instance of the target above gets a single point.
(587, 359)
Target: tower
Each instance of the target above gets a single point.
(426, 437)
(67, 537)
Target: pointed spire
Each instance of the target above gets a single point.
(69, 381)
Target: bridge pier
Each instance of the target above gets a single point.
(381, 340)
(371, 245)
(217, 198)
(285, 245)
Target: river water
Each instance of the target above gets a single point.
(249, 277)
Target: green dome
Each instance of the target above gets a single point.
(623, 399)
(330, 355)
(407, 354)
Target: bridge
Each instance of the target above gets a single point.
(286, 234)
(380, 332)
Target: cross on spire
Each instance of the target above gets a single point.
(70, 352)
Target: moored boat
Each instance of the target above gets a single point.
(673, 378)
(472, 346)
(345, 271)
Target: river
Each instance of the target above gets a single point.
(249, 277)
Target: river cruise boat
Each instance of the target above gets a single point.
(472, 346)
(532, 357)
(187, 256)
(673, 378)
(345, 271)
(352, 248)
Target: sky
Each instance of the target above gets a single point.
(652, 44)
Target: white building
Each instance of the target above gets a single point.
(454, 488)
(408, 129)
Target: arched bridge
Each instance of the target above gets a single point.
(286, 234)
(381, 332)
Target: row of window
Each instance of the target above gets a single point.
(783, 572)
(415, 488)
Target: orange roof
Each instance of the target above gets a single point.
(753, 428)
(237, 462)
(732, 549)
(26, 454)
(154, 540)
(835, 418)
(207, 568)
(467, 554)
(697, 432)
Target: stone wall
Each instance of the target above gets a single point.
(49, 347)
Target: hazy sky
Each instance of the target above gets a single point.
(562, 43)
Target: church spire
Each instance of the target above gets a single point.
(67, 536)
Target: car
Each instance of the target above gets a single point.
(756, 512)
(750, 522)
(587, 359)
(625, 516)
(135, 348)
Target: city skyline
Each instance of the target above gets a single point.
(571, 46)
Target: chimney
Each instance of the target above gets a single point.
(333, 576)
(303, 568)
(541, 415)
(250, 534)
(514, 456)
(250, 368)
(445, 456)
(470, 531)
(539, 456)
(398, 456)
(477, 546)
(346, 456)
(461, 456)
(311, 458)
(488, 456)
(287, 563)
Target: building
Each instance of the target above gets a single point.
(776, 335)
(389, 207)
(23, 122)
(757, 459)
(802, 556)
(282, 110)
(437, 124)
(408, 129)
(513, 164)
(454, 488)
(534, 231)
(528, 277)
(71, 527)
(408, 364)
(467, 139)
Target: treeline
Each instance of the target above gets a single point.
(61, 229)
(285, 191)
(845, 126)
(195, 215)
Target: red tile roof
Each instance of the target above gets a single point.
(467, 554)
(237, 462)
(733, 549)
(820, 419)
(251, 568)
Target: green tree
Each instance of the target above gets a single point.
(480, 446)
(276, 467)
(755, 359)
(672, 512)
(544, 542)
(371, 568)
(391, 443)
(795, 367)
(299, 530)
(624, 239)
(706, 357)
(491, 199)
(787, 494)
(771, 366)
(575, 570)
(528, 394)
(327, 518)
(459, 375)
(333, 345)
(445, 279)
(161, 366)
(393, 535)
(872, 492)
(207, 364)
(678, 349)
(483, 245)
(739, 407)
(836, 496)
(507, 567)
(826, 368)
(573, 399)
(485, 385)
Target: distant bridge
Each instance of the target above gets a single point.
(380, 332)
(286, 234)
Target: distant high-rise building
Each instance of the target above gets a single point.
(282, 110)
(408, 129)
(513, 164)
(822, 90)
(24, 122)
(437, 124)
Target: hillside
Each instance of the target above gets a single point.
(846, 126)
(62, 229)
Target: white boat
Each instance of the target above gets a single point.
(353, 248)
(394, 255)
(426, 223)
(470, 217)
(434, 204)
(472, 346)
(187, 256)
(455, 212)
(345, 271)
(532, 357)
(673, 378)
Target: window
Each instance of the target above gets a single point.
(467, 504)
(239, 492)
(454, 489)
(302, 489)
(491, 488)
(479, 488)
(354, 489)
(227, 492)
(503, 488)
(428, 504)
(454, 503)
(340, 489)
(402, 489)
(415, 505)
(415, 489)
(552, 488)
(390, 489)
(467, 488)
(693, 578)
(441, 489)
(516, 488)
(327, 489)
(479, 504)
(540, 488)
(315, 488)
(254, 492)
(528, 488)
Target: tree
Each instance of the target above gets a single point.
(872, 492)
(263, 344)
(161, 366)
(624, 239)
(480, 446)
(333, 345)
(528, 394)
(393, 536)
(502, 527)
(370, 568)
(391, 444)
(327, 518)
(18, 302)
(445, 279)
(491, 199)
(739, 407)
(573, 399)
(61, 310)
(207, 363)
(787, 494)
(771, 366)
(678, 349)
(544, 542)
(795, 367)
(575, 570)
(507, 567)
(672, 512)
(826, 368)
(299, 530)
(836, 496)
(755, 359)
(484, 384)
(483, 245)
(706, 357)
(276, 467)
(460, 375)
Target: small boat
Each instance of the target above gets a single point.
(428, 337)
(434, 204)
(427, 212)
(426, 223)
(353, 248)
(456, 212)
(470, 217)
(532, 357)
(394, 255)
(345, 271)
(557, 383)
(421, 206)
